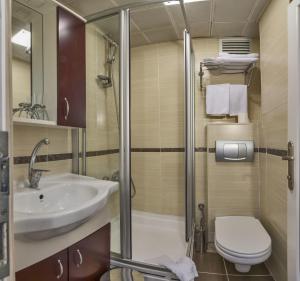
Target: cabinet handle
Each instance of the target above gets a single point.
(80, 258)
(61, 269)
(68, 108)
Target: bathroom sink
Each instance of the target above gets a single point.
(61, 204)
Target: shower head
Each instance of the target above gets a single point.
(104, 80)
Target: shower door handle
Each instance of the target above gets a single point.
(290, 158)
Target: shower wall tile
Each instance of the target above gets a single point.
(102, 106)
(159, 179)
(274, 127)
(171, 115)
(98, 166)
(273, 131)
(157, 119)
(97, 117)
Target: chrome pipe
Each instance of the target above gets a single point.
(193, 136)
(125, 145)
(188, 136)
(186, 22)
(142, 267)
(75, 151)
(83, 152)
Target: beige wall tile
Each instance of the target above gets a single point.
(273, 131)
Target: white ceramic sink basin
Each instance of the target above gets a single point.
(61, 204)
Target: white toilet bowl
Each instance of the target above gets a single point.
(242, 240)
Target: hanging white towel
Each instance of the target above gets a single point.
(184, 268)
(217, 99)
(238, 100)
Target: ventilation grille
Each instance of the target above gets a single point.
(235, 45)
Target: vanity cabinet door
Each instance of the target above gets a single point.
(53, 268)
(71, 73)
(90, 257)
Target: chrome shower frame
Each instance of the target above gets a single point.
(125, 258)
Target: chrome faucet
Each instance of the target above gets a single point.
(34, 175)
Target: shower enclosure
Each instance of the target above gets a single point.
(141, 132)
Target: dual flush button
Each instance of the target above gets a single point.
(241, 151)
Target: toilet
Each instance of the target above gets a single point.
(242, 240)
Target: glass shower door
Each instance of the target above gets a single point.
(157, 141)
(102, 114)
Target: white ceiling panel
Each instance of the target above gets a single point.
(151, 18)
(200, 29)
(125, 2)
(88, 7)
(161, 35)
(198, 11)
(223, 29)
(176, 13)
(233, 10)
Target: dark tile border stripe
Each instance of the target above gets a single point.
(43, 158)
(66, 156)
(61, 156)
(101, 152)
(276, 152)
(148, 149)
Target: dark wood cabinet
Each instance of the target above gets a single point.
(86, 260)
(89, 258)
(50, 269)
(71, 72)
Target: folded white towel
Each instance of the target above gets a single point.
(217, 99)
(252, 55)
(238, 99)
(236, 60)
(184, 268)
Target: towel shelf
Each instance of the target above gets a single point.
(227, 68)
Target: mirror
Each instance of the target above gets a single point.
(27, 62)
(34, 61)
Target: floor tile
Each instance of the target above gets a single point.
(258, 269)
(209, 262)
(211, 277)
(249, 278)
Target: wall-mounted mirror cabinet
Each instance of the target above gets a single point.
(48, 64)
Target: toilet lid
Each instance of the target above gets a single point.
(243, 235)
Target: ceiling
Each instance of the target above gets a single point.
(159, 22)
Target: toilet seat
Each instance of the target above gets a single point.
(242, 241)
(238, 255)
(241, 236)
